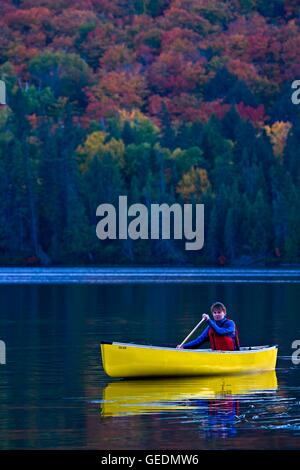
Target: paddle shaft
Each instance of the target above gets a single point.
(193, 331)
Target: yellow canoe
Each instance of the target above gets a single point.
(134, 360)
(174, 394)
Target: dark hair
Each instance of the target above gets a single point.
(218, 305)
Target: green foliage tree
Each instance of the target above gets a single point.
(66, 74)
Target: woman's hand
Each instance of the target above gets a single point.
(205, 317)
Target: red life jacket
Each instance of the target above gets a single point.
(223, 343)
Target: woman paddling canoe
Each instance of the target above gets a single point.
(224, 357)
(221, 332)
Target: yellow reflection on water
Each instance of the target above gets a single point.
(133, 397)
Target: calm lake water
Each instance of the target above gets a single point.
(54, 393)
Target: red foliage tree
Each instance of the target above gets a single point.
(115, 90)
(171, 73)
(255, 115)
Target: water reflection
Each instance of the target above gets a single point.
(214, 401)
(50, 389)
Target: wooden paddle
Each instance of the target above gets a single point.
(190, 334)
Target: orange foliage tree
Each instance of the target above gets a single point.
(278, 134)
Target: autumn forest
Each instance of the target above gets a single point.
(185, 101)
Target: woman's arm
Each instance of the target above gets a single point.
(198, 341)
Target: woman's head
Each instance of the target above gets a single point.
(218, 310)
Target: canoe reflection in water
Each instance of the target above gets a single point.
(212, 401)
